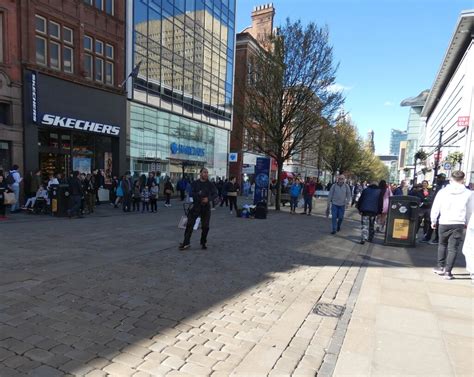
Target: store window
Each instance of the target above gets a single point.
(5, 113)
(54, 45)
(106, 6)
(99, 60)
(5, 156)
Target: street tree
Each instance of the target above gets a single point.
(288, 93)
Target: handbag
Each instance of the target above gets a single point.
(168, 191)
(183, 221)
(232, 193)
(9, 198)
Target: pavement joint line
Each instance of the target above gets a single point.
(329, 364)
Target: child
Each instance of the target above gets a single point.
(41, 193)
(146, 199)
(136, 197)
(154, 190)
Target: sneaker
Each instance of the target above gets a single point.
(448, 276)
(183, 246)
(308, 214)
(338, 228)
(362, 242)
(231, 212)
(438, 270)
(423, 240)
(333, 232)
(203, 246)
(434, 242)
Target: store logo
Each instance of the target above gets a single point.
(77, 124)
(184, 149)
(33, 96)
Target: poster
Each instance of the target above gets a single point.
(262, 179)
(401, 228)
(108, 168)
(82, 164)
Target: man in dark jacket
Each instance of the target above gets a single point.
(203, 193)
(369, 207)
(75, 188)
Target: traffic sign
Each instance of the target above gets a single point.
(447, 166)
(233, 157)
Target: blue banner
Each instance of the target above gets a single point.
(262, 179)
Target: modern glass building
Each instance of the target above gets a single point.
(396, 137)
(180, 110)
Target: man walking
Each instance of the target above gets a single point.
(203, 192)
(369, 206)
(451, 205)
(339, 198)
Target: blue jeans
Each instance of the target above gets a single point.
(16, 191)
(308, 203)
(337, 213)
(293, 203)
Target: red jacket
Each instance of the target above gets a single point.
(309, 188)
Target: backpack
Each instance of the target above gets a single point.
(10, 180)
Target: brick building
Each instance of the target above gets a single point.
(248, 42)
(11, 131)
(73, 60)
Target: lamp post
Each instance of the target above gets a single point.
(438, 155)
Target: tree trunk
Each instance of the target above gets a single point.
(278, 185)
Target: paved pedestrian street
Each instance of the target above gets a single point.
(111, 294)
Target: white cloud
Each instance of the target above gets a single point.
(388, 104)
(339, 88)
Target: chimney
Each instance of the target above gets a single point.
(262, 21)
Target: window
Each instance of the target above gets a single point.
(87, 43)
(40, 50)
(1, 37)
(99, 60)
(54, 45)
(4, 113)
(103, 5)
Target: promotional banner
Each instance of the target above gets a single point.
(108, 168)
(81, 164)
(262, 179)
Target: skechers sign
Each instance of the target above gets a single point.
(78, 124)
(184, 149)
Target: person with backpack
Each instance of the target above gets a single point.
(338, 199)
(13, 181)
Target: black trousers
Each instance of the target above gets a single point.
(75, 205)
(197, 210)
(126, 202)
(153, 205)
(182, 194)
(450, 238)
(232, 202)
(225, 199)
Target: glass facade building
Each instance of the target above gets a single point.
(396, 137)
(183, 90)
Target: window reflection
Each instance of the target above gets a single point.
(183, 43)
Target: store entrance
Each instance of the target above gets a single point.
(191, 169)
(51, 163)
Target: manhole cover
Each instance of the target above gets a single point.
(329, 310)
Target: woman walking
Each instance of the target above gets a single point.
(154, 190)
(385, 194)
(168, 191)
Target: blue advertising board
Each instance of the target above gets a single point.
(262, 179)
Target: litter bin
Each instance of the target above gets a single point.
(402, 221)
(59, 195)
(261, 210)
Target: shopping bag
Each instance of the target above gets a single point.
(183, 221)
(301, 203)
(9, 198)
(197, 223)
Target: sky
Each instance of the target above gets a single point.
(388, 50)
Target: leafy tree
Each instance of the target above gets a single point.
(455, 159)
(288, 96)
(422, 156)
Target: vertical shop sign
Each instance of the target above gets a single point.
(262, 179)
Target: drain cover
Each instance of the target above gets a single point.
(329, 310)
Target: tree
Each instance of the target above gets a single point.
(368, 167)
(343, 147)
(455, 159)
(422, 156)
(288, 96)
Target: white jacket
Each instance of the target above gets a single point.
(452, 205)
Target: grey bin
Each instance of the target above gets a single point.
(402, 219)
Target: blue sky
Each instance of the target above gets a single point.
(388, 50)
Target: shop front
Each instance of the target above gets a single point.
(174, 145)
(73, 127)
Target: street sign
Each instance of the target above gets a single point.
(233, 157)
(447, 166)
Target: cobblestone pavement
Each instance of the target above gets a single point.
(111, 295)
